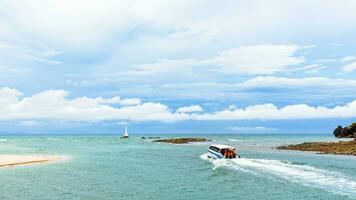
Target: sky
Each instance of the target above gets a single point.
(169, 66)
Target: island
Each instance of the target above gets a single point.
(347, 132)
(182, 140)
(341, 147)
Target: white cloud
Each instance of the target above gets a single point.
(83, 22)
(350, 67)
(190, 109)
(347, 59)
(81, 25)
(130, 102)
(173, 37)
(258, 129)
(183, 37)
(260, 88)
(55, 105)
(312, 68)
(27, 52)
(258, 59)
(281, 82)
(271, 112)
(9, 95)
(217, 90)
(164, 66)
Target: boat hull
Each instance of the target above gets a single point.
(214, 155)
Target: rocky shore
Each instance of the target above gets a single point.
(181, 140)
(347, 132)
(341, 147)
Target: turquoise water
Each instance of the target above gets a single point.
(106, 167)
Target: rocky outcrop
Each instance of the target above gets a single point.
(341, 147)
(347, 132)
(181, 140)
(151, 137)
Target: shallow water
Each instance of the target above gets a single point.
(106, 167)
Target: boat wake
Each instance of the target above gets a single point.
(302, 174)
(233, 140)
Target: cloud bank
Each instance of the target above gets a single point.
(55, 105)
(190, 109)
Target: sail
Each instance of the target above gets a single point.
(126, 133)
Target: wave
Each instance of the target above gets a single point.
(3, 140)
(306, 175)
(233, 140)
(237, 140)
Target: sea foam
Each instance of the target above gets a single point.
(301, 174)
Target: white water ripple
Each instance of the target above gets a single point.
(306, 175)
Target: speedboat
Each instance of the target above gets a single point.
(220, 151)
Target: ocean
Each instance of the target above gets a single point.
(107, 167)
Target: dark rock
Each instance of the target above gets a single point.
(347, 132)
(151, 137)
(181, 140)
(341, 147)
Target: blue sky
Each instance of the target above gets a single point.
(177, 66)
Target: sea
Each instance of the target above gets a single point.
(106, 167)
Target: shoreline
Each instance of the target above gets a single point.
(336, 148)
(21, 160)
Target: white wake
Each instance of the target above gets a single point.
(302, 174)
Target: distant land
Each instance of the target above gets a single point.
(341, 147)
(181, 140)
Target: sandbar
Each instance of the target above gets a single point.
(16, 160)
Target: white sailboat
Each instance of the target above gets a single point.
(126, 134)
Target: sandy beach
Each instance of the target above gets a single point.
(16, 160)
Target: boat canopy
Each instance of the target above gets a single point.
(222, 146)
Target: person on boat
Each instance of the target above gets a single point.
(231, 154)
